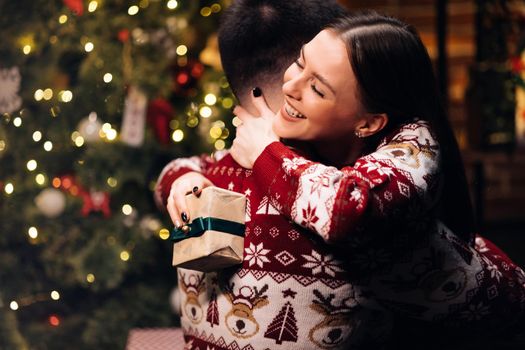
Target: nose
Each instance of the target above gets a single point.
(292, 85)
(240, 324)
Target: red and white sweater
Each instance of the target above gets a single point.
(343, 258)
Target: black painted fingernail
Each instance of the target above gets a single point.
(184, 217)
(195, 189)
(257, 92)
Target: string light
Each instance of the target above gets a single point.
(13, 305)
(112, 182)
(178, 135)
(205, 11)
(127, 209)
(219, 145)
(236, 121)
(39, 94)
(210, 99)
(205, 112)
(79, 141)
(108, 77)
(89, 46)
(40, 179)
(48, 146)
(31, 165)
(55, 295)
(2, 145)
(215, 8)
(172, 4)
(124, 255)
(17, 122)
(26, 49)
(227, 103)
(62, 19)
(182, 50)
(65, 96)
(143, 3)
(48, 94)
(215, 132)
(9, 188)
(92, 6)
(133, 10)
(32, 232)
(164, 233)
(37, 136)
(90, 278)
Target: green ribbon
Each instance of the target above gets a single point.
(199, 225)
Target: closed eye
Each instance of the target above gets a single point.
(314, 88)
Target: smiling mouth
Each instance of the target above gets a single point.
(292, 112)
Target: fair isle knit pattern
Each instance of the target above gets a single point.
(336, 258)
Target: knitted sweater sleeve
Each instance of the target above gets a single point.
(178, 167)
(398, 176)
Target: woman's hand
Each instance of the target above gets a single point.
(254, 133)
(192, 182)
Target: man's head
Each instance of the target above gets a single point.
(259, 39)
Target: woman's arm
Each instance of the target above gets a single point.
(332, 202)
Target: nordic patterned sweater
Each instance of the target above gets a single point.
(344, 258)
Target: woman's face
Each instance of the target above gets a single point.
(320, 89)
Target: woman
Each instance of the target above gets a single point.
(388, 186)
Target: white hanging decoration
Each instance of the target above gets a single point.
(134, 119)
(9, 86)
(51, 202)
(89, 128)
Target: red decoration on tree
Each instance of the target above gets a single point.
(283, 326)
(93, 201)
(517, 64)
(185, 77)
(212, 315)
(76, 6)
(160, 113)
(123, 35)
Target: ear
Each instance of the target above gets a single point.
(373, 123)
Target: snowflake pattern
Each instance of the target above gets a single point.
(492, 269)
(309, 217)
(256, 255)
(293, 164)
(321, 264)
(475, 312)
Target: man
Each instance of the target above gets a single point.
(290, 292)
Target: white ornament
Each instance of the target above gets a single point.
(89, 128)
(9, 86)
(175, 301)
(134, 119)
(51, 202)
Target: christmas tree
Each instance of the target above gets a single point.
(95, 98)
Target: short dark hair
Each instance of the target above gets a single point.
(259, 39)
(395, 76)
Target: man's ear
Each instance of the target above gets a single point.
(374, 123)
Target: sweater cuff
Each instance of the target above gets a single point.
(269, 163)
(163, 186)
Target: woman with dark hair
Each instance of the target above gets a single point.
(385, 184)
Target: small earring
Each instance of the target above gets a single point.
(358, 133)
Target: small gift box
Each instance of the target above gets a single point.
(215, 237)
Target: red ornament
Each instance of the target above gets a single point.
(54, 320)
(160, 114)
(123, 35)
(185, 77)
(76, 6)
(93, 201)
(517, 64)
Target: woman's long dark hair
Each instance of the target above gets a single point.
(395, 76)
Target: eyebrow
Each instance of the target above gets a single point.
(317, 76)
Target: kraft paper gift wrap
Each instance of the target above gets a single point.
(216, 236)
